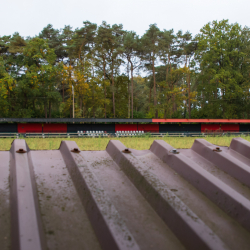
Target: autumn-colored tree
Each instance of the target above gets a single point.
(38, 82)
(206, 76)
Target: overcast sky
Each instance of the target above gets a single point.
(29, 17)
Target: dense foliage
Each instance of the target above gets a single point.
(116, 73)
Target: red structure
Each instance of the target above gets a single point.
(115, 125)
(55, 128)
(29, 128)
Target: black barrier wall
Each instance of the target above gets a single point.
(179, 128)
(8, 127)
(110, 128)
(244, 127)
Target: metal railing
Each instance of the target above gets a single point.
(103, 134)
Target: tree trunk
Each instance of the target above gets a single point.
(170, 66)
(155, 101)
(132, 90)
(26, 101)
(223, 106)
(93, 92)
(104, 77)
(45, 108)
(63, 92)
(166, 75)
(216, 97)
(79, 56)
(128, 92)
(169, 63)
(49, 108)
(113, 84)
(73, 104)
(203, 99)
(170, 86)
(149, 99)
(93, 101)
(81, 111)
(189, 102)
(173, 99)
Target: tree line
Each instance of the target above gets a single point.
(107, 72)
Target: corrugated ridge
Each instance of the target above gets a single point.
(108, 211)
(241, 146)
(232, 202)
(26, 227)
(222, 160)
(148, 229)
(5, 220)
(181, 220)
(106, 221)
(65, 220)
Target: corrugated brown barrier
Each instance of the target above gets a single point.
(120, 198)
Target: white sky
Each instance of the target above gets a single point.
(29, 17)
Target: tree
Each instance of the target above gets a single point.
(40, 76)
(168, 57)
(151, 48)
(101, 49)
(6, 85)
(11, 50)
(132, 51)
(83, 39)
(54, 39)
(83, 46)
(187, 48)
(223, 64)
(114, 49)
(67, 39)
(206, 76)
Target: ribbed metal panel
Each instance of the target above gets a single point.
(75, 120)
(72, 120)
(196, 198)
(203, 120)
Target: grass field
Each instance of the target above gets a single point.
(101, 143)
